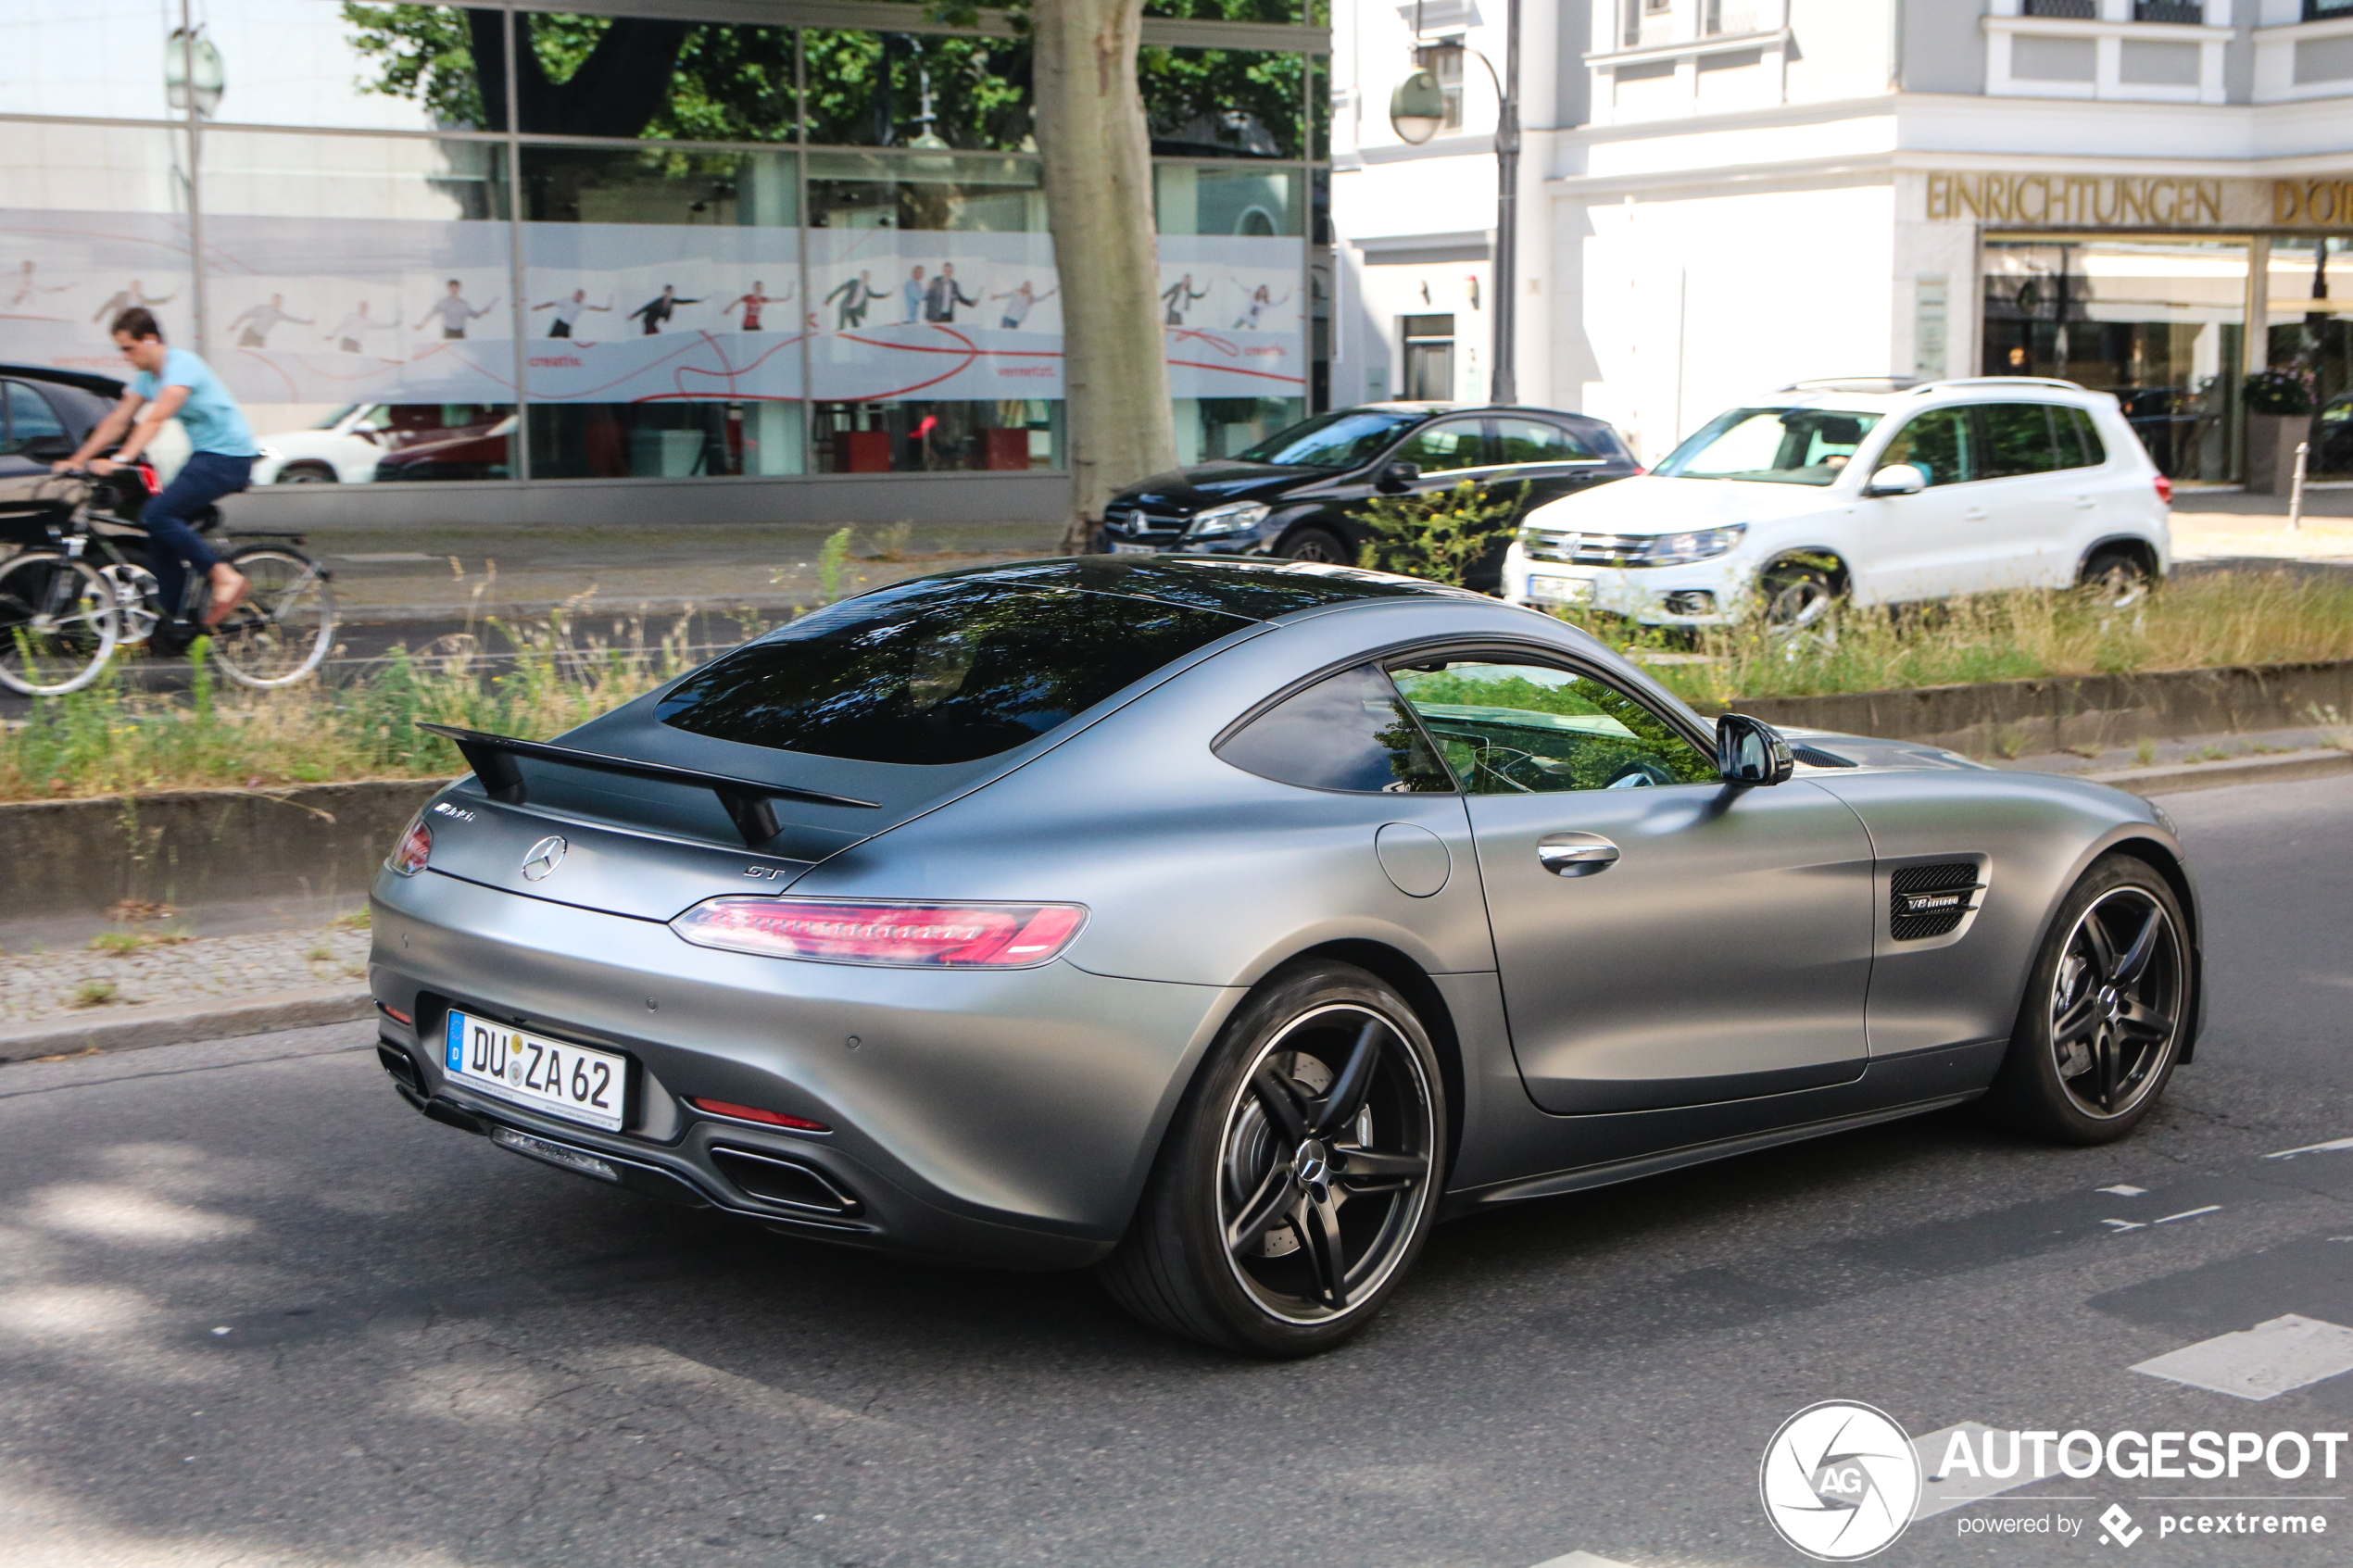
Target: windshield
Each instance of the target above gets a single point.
(335, 418)
(1777, 445)
(935, 674)
(1341, 440)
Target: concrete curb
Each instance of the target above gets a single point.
(2282, 768)
(138, 1028)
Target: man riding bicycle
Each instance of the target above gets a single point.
(174, 381)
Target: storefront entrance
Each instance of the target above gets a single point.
(2312, 295)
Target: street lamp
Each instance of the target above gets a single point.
(191, 68)
(1415, 110)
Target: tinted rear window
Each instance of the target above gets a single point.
(935, 674)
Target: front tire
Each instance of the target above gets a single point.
(2107, 1009)
(1316, 545)
(1300, 1176)
(59, 622)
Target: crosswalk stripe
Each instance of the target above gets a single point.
(2261, 1362)
(1579, 1559)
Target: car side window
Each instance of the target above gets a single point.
(1535, 441)
(1347, 732)
(1941, 444)
(2095, 450)
(1510, 728)
(2020, 439)
(29, 417)
(1438, 448)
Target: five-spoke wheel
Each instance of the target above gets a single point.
(2107, 1010)
(1302, 1174)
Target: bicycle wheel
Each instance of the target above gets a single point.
(286, 624)
(58, 624)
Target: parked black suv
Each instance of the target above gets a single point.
(1296, 494)
(45, 415)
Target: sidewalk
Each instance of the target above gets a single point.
(2230, 525)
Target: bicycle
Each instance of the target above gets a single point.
(62, 617)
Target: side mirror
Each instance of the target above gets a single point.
(47, 448)
(1750, 751)
(1396, 478)
(1896, 479)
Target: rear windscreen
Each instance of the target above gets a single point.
(935, 674)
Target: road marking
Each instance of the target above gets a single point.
(1580, 1560)
(389, 556)
(2261, 1362)
(1942, 1494)
(2189, 1214)
(2126, 1224)
(2330, 1148)
(2123, 1191)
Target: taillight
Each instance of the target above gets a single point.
(901, 936)
(753, 1113)
(149, 479)
(2165, 490)
(415, 848)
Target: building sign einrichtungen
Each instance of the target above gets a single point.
(2141, 201)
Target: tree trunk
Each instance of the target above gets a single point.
(1098, 202)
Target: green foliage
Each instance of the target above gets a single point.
(1234, 99)
(831, 557)
(2282, 389)
(1439, 534)
(730, 83)
(862, 85)
(427, 55)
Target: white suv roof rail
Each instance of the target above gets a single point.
(2003, 381)
(1854, 384)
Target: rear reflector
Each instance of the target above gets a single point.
(753, 1113)
(2165, 490)
(398, 1016)
(900, 936)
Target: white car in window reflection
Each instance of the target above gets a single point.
(343, 448)
(1864, 492)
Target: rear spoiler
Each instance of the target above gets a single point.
(745, 801)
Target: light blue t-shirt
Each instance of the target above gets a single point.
(210, 416)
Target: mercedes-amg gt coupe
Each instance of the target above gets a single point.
(1224, 926)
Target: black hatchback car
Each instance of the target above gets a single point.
(1296, 494)
(44, 415)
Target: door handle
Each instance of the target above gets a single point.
(2086, 503)
(1974, 514)
(1576, 853)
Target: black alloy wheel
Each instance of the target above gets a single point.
(2107, 1010)
(1318, 545)
(1796, 598)
(1302, 1176)
(306, 473)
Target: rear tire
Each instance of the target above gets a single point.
(306, 473)
(286, 625)
(1300, 1176)
(2104, 1020)
(1317, 545)
(2116, 579)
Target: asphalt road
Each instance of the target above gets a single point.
(255, 1310)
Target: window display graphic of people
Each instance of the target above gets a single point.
(134, 297)
(1260, 301)
(913, 291)
(855, 296)
(27, 293)
(568, 312)
(252, 325)
(751, 304)
(1019, 302)
(945, 294)
(350, 334)
(660, 309)
(455, 312)
(1180, 298)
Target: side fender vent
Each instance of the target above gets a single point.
(1929, 900)
(1815, 757)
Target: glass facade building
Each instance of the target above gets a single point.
(504, 245)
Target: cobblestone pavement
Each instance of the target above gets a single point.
(39, 985)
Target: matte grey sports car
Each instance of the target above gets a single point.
(1224, 925)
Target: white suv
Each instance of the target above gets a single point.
(1874, 492)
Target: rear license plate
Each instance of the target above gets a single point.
(1561, 590)
(1119, 549)
(556, 1076)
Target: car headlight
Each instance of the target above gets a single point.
(1674, 550)
(1218, 521)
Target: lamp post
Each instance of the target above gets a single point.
(1416, 112)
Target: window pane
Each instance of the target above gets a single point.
(1209, 428)
(1233, 301)
(702, 189)
(1223, 103)
(364, 271)
(1940, 443)
(364, 67)
(29, 417)
(1533, 441)
(95, 223)
(100, 62)
(1516, 729)
(1253, 203)
(930, 675)
(1454, 443)
(646, 77)
(2018, 439)
(2088, 434)
(925, 435)
(918, 91)
(1236, 10)
(1348, 732)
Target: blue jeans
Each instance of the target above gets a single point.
(208, 477)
